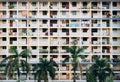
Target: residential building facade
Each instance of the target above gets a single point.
(46, 27)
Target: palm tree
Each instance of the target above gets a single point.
(15, 62)
(101, 69)
(75, 54)
(44, 69)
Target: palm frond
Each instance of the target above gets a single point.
(25, 53)
(66, 59)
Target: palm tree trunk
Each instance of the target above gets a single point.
(74, 77)
(18, 75)
(46, 78)
(26, 68)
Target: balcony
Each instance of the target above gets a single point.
(3, 33)
(87, 51)
(43, 42)
(85, 24)
(33, 42)
(54, 42)
(3, 42)
(12, 6)
(32, 7)
(116, 24)
(22, 24)
(35, 51)
(74, 24)
(64, 42)
(2, 7)
(2, 51)
(22, 42)
(22, 7)
(116, 42)
(3, 25)
(54, 5)
(104, 33)
(106, 51)
(96, 34)
(85, 15)
(43, 51)
(64, 34)
(54, 51)
(84, 34)
(96, 42)
(115, 34)
(12, 33)
(74, 34)
(116, 52)
(44, 25)
(13, 42)
(97, 51)
(85, 42)
(97, 15)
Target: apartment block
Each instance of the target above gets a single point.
(46, 27)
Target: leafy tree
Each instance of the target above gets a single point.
(74, 56)
(44, 69)
(101, 69)
(15, 63)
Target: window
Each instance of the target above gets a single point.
(94, 30)
(44, 47)
(85, 30)
(54, 12)
(3, 38)
(24, 21)
(3, 3)
(33, 3)
(114, 39)
(34, 13)
(34, 21)
(44, 30)
(4, 21)
(24, 3)
(4, 12)
(44, 56)
(44, 12)
(74, 30)
(63, 73)
(44, 4)
(24, 47)
(44, 21)
(3, 56)
(33, 38)
(64, 30)
(74, 12)
(74, 4)
(114, 47)
(63, 12)
(114, 29)
(84, 39)
(114, 4)
(114, 12)
(4, 47)
(4, 30)
(64, 56)
(95, 47)
(34, 56)
(84, 12)
(84, 4)
(33, 47)
(33, 30)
